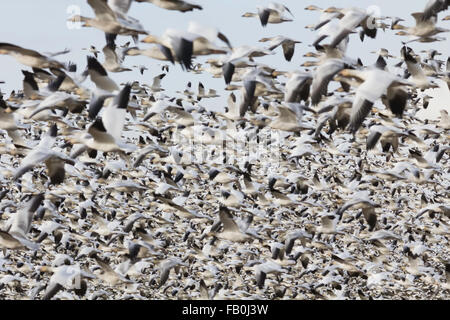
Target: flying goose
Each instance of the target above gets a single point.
(272, 13)
(337, 114)
(58, 100)
(99, 76)
(110, 21)
(326, 16)
(178, 5)
(183, 45)
(433, 7)
(232, 198)
(180, 211)
(350, 19)
(19, 224)
(328, 226)
(200, 37)
(29, 57)
(231, 110)
(174, 45)
(43, 153)
(8, 241)
(287, 44)
(388, 137)
(444, 121)
(263, 269)
(98, 138)
(292, 236)
(221, 177)
(166, 266)
(240, 57)
(322, 76)
(347, 263)
(108, 275)
(383, 53)
(231, 231)
(375, 84)
(8, 122)
(418, 76)
(158, 52)
(202, 94)
(438, 207)
(112, 60)
(297, 87)
(289, 118)
(114, 115)
(425, 30)
(156, 84)
(69, 277)
(31, 89)
(367, 209)
(208, 34)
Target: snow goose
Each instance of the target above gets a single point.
(178, 5)
(287, 44)
(29, 57)
(272, 13)
(375, 84)
(110, 21)
(99, 76)
(43, 153)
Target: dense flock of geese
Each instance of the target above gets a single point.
(123, 192)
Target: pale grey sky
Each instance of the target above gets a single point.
(41, 25)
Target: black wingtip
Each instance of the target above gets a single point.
(250, 87)
(372, 33)
(29, 79)
(35, 70)
(93, 64)
(372, 140)
(261, 279)
(184, 53)
(213, 173)
(406, 53)
(71, 67)
(53, 130)
(272, 183)
(167, 53)
(318, 40)
(264, 17)
(95, 106)
(98, 124)
(123, 97)
(224, 209)
(36, 202)
(361, 114)
(110, 38)
(54, 85)
(381, 63)
(360, 63)
(228, 71)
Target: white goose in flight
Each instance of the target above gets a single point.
(29, 57)
(374, 84)
(177, 5)
(272, 13)
(110, 21)
(104, 134)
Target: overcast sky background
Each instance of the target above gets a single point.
(41, 25)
